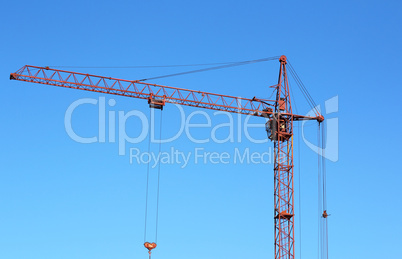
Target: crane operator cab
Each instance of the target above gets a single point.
(278, 129)
(278, 126)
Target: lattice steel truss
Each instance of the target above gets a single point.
(279, 126)
(283, 169)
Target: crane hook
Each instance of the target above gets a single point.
(325, 214)
(149, 246)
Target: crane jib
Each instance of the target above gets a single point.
(157, 95)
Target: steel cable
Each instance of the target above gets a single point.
(299, 172)
(297, 78)
(147, 186)
(159, 173)
(319, 193)
(324, 197)
(302, 88)
(153, 66)
(211, 68)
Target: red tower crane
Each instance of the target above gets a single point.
(279, 125)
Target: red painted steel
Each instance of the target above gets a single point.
(151, 92)
(283, 169)
(278, 112)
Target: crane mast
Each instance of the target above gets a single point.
(279, 125)
(282, 135)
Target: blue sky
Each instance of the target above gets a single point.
(63, 199)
